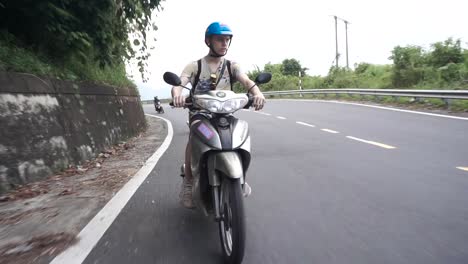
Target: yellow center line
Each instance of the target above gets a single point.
(463, 168)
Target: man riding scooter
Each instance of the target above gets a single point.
(212, 72)
(157, 105)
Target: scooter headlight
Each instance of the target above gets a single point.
(212, 105)
(234, 104)
(227, 106)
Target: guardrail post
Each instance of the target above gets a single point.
(448, 103)
(416, 100)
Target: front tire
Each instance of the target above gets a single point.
(232, 224)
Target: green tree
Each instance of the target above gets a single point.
(293, 67)
(407, 65)
(446, 52)
(105, 31)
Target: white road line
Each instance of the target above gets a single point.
(304, 124)
(261, 113)
(280, 117)
(463, 168)
(95, 229)
(379, 107)
(330, 131)
(372, 143)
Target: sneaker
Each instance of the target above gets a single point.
(186, 194)
(247, 189)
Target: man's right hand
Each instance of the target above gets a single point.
(178, 101)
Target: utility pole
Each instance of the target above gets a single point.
(336, 37)
(336, 40)
(300, 83)
(346, 28)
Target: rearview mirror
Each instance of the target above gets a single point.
(263, 78)
(172, 78)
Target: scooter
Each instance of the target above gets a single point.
(220, 158)
(158, 107)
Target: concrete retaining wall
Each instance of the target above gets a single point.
(47, 125)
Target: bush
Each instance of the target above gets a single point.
(17, 59)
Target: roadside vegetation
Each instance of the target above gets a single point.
(75, 40)
(443, 66)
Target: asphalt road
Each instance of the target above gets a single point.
(347, 184)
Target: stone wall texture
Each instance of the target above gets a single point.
(47, 125)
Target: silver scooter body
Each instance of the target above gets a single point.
(220, 148)
(220, 157)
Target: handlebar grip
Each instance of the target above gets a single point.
(188, 101)
(249, 104)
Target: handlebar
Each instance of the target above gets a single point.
(250, 102)
(188, 102)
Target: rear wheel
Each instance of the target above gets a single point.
(232, 224)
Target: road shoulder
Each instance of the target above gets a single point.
(41, 219)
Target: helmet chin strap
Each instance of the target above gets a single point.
(213, 53)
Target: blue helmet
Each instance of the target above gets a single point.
(217, 28)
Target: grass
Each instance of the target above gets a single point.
(16, 59)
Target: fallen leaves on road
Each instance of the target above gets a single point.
(34, 189)
(31, 250)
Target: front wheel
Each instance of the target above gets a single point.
(232, 223)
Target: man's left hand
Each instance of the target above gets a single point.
(258, 101)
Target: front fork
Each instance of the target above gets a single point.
(216, 193)
(223, 166)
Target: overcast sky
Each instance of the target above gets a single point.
(271, 31)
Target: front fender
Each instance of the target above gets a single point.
(229, 163)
